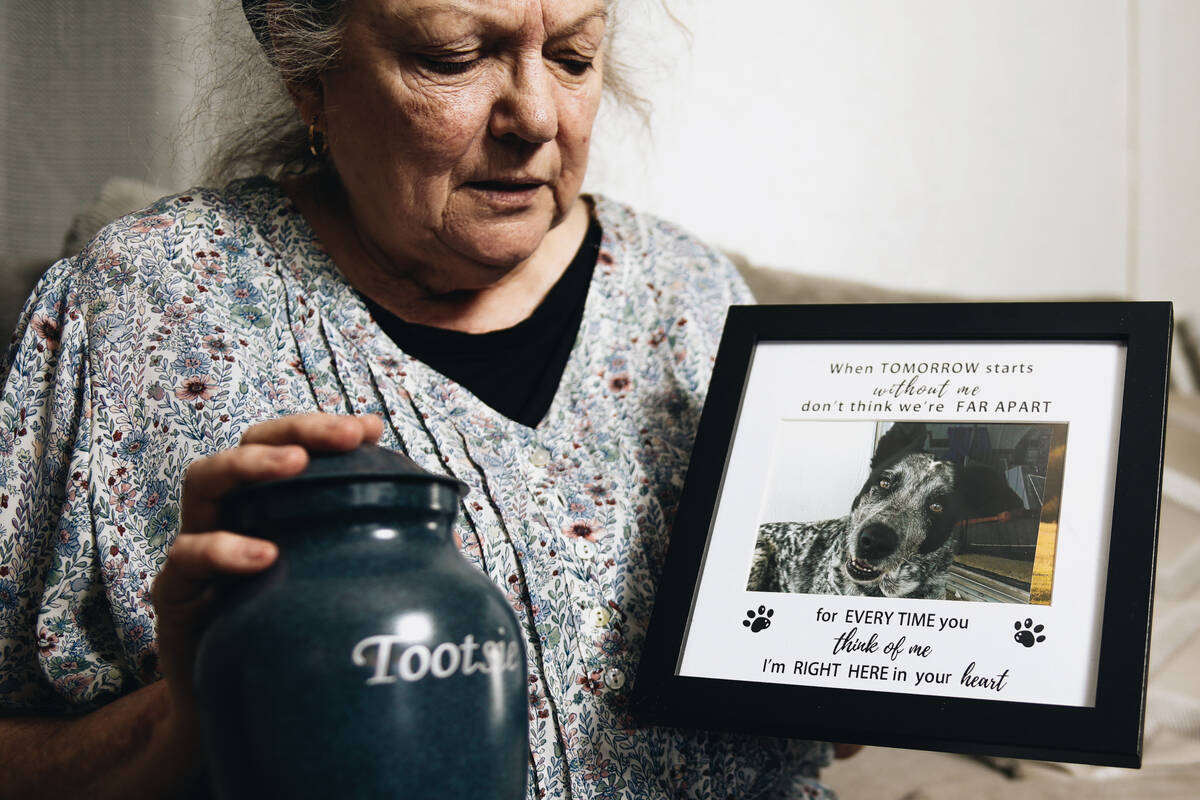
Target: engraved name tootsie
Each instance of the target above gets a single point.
(417, 661)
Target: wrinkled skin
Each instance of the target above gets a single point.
(459, 134)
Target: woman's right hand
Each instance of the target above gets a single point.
(144, 743)
(184, 591)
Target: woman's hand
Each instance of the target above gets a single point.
(184, 591)
(145, 743)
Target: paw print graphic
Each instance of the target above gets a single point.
(1028, 634)
(758, 620)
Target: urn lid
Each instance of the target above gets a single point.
(368, 463)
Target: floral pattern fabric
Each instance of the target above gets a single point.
(182, 325)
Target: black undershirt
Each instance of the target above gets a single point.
(516, 370)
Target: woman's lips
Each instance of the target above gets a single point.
(506, 186)
(507, 194)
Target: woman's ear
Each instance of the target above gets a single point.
(309, 100)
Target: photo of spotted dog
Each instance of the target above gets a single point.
(896, 541)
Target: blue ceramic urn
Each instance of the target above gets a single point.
(371, 660)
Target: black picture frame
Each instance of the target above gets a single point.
(1108, 731)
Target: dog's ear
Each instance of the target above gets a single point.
(900, 440)
(935, 538)
(985, 492)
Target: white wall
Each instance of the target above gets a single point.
(800, 488)
(1168, 151)
(989, 147)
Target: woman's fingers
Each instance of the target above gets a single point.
(184, 595)
(269, 451)
(317, 431)
(197, 558)
(209, 479)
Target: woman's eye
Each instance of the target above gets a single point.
(456, 65)
(575, 66)
(936, 508)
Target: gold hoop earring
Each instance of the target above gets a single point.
(318, 143)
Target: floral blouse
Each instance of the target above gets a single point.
(183, 324)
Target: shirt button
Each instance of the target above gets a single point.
(614, 678)
(539, 457)
(585, 549)
(599, 617)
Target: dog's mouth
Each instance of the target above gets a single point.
(862, 571)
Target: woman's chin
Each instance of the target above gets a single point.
(498, 246)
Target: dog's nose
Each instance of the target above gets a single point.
(876, 541)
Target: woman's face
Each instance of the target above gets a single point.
(460, 128)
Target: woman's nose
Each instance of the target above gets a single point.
(526, 107)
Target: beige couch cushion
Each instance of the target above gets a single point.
(776, 286)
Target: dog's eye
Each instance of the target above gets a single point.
(936, 508)
(885, 483)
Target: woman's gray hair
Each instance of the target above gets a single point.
(261, 131)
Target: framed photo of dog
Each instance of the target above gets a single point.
(920, 525)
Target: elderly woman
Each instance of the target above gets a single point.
(431, 278)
